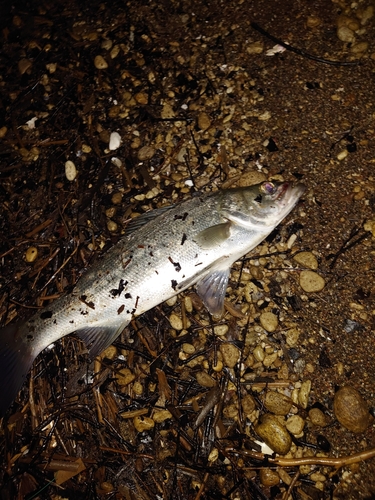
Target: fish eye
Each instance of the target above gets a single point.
(268, 188)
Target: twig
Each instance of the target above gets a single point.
(300, 51)
(296, 462)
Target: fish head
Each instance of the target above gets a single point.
(264, 204)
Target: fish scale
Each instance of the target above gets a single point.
(165, 252)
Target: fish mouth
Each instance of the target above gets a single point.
(287, 191)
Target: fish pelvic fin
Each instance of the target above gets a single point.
(97, 339)
(15, 363)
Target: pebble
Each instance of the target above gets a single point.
(125, 376)
(311, 281)
(277, 403)
(342, 154)
(318, 418)
(100, 62)
(269, 321)
(295, 425)
(269, 477)
(306, 259)
(251, 178)
(114, 141)
(143, 423)
(176, 322)
(231, 354)
(313, 21)
(3, 131)
(345, 34)
(304, 393)
(351, 409)
(70, 170)
(167, 111)
(116, 198)
(269, 359)
(248, 404)
(359, 47)
(221, 330)
(160, 416)
(292, 337)
(204, 379)
(204, 121)
(274, 434)
(146, 153)
(31, 254)
(112, 226)
(258, 353)
(255, 48)
(24, 65)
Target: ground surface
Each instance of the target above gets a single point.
(194, 97)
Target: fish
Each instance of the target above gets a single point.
(163, 253)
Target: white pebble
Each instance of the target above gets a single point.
(114, 141)
(70, 170)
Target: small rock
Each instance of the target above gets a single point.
(167, 111)
(345, 34)
(70, 170)
(248, 404)
(143, 423)
(141, 98)
(100, 62)
(24, 65)
(367, 14)
(269, 477)
(221, 330)
(359, 47)
(160, 416)
(292, 337)
(204, 121)
(342, 154)
(116, 198)
(277, 403)
(304, 393)
(176, 322)
(263, 117)
(269, 321)
(114, 141)
(351, 409)
(311, 281)
(306, 259)
(251, 178)
(318, 418)
(258, 353)
(204, 379)
(313, 21)
(146, 153)
(231, 354)
(274, 434)
(295, 425)
(254, 48)
(31, 254)
(125, 376)
(112, 226)
(3, 131)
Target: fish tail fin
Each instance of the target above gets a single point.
(15, 363)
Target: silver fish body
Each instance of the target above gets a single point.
(166, 252)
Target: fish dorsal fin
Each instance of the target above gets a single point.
(97, 339)
(143, 219)
(213, 236)
(212, 289)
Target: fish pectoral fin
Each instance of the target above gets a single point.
(212, 289)
(213, 236)
(98, 338)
